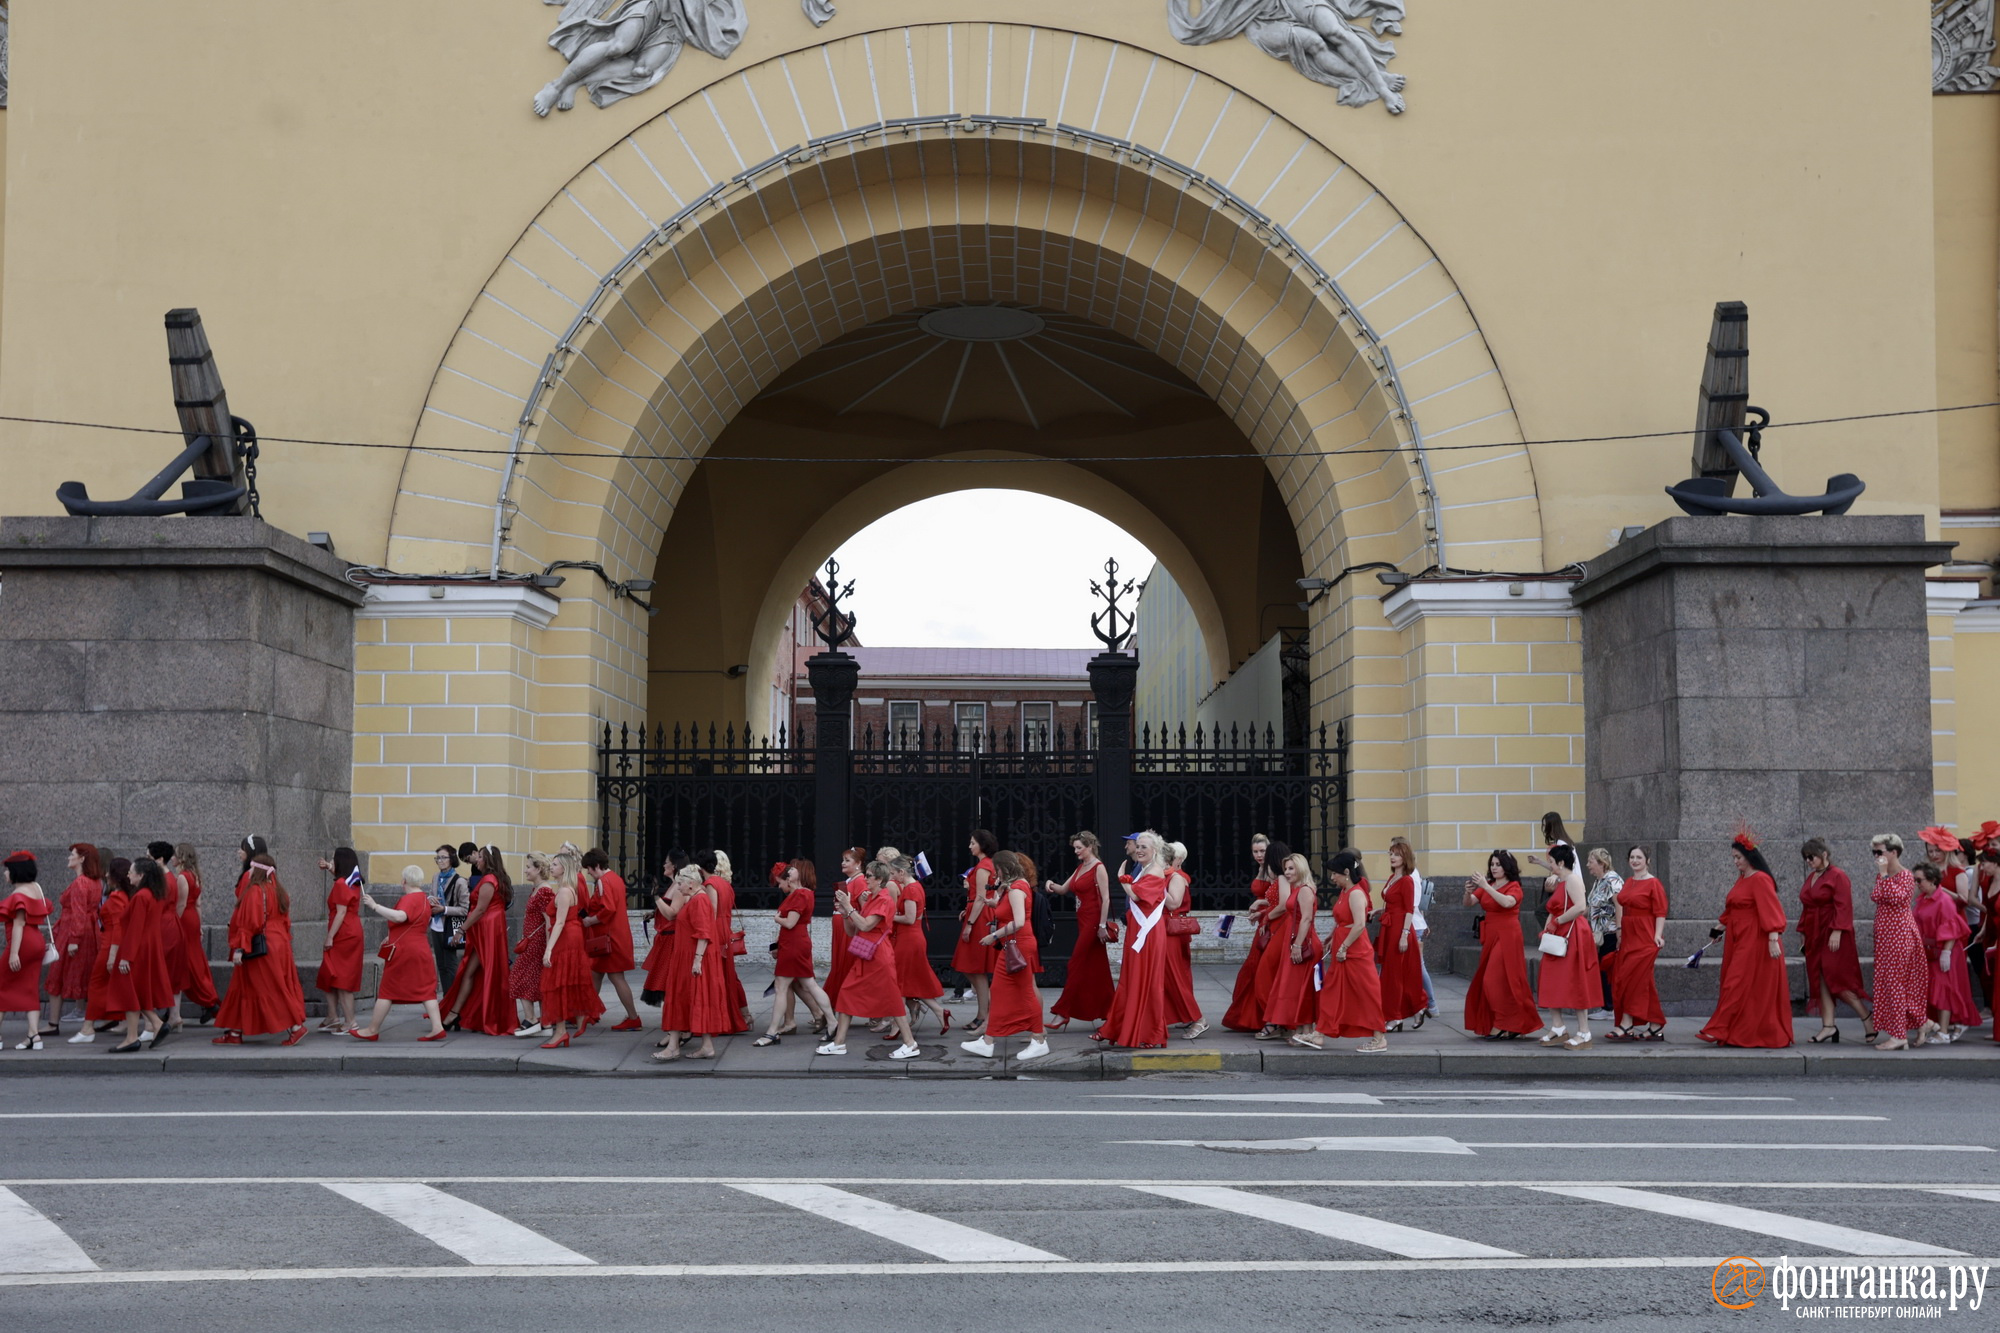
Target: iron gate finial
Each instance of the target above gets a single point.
(835, 626)
(1113, 625)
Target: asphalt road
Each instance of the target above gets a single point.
(310, 1202)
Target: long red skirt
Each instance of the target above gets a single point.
(1181, 1006)
(1139, 1010)
(1017, 1003)
(1634, 986)
(197, 983)
(1246, 1001)
(836, 968)
(870, 989)
(141, 981)
(569, 986)
(1292, 1003)
(1498, 1000)
(659, 959)
(488, 1008)
(1571, 981)
(913, 965)
(1402, 970)
(1088, 990)
(340, 964)
(264, 993)
(971, 957)
(1755, 1008)
(1350, 1000)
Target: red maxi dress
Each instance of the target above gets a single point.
(264, 994)
(1902, 976)
(170, 935)
(1402, 969)
(1755, 1008)
(340, 963)
(69, 978)
(1498, 998)
(913, 965)
(1016, 1005)
(677, 988)
(1634, 984)
(870, 989)
(1086, 994)
(1826, 904)
(409, 969)
(1350, 1000)
(569, 987)
(660, 955)
(607, 904)
(488, 1008)
(1570, 980)
(725, 957)
(1246, 1001)
(524, 978)
(836, 969)
(111, 914)
(21, 989)
(795, 947)
(701, 1002)
(139, 979)
(971, 957)
(197, 984)
(1292, 1002)
(1138, 1015)
(1181, 1006)
(1943, 927)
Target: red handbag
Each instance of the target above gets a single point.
(1183, 925)
(1012, 960)
(736, 945)
(863, 946)
(1111, 932)
(597, 946)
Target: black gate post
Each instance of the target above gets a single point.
(834, 676)
(1113, 679)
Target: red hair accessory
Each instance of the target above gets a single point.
(1940, 837)
(20, 856)
(1744, 836)
(778, 869)
(1987, 836)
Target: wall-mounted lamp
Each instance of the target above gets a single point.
(323, 540)
(738, 671)
(630, 590)
(1392, 578)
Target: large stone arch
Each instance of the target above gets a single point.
(789, 202)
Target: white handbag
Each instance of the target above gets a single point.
(1555, 946)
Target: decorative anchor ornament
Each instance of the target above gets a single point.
(1106, 623)
(1720, 451)
(835, 626)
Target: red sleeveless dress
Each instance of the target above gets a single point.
(196, 982)
(1350, 1000)
(1570, 981)
(1139, 1010)
(569, 987)
(1016, 1004)
(1498, 998)
(1293, 1003)
(1246, 1000)
(1402, 969)
(1087, 991)
(488, 1008)
(1181, 1006)
(795, 948)
(971, 957)
(913, 964)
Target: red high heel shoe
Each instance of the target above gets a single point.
(1059, 1026)
(558, 1042)
(947, 1023)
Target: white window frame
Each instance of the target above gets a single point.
(966, 734)
(1047, 720)
(916, 726)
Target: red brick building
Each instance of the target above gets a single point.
(1008, 696)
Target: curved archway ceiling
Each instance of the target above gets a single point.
(954, 365)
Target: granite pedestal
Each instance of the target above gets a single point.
(187, 679)
(1771, 670)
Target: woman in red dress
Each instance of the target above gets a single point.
(871, 989)
(479, 998)
(1939, 922)
(199, 982)
(76, 939)
(112, 910)
(660, 951)
(1350, 998)
(524, 975)
(170, 932)
(700, 994)
(1402, 952)
(1833, 961)
(1276, 934)
(22, 946)
(1293, 1006)
(855, 885)
(1902, 976)
(721, 879)
(686, 940)
(264, 992)
(1569, 980)
(792, 965)
(1180, 928)
(1017, 1004)
(1246, 1003)
(1640, 922)
(1138, 1016)
(1755, 1007)
(921, 987)
(339, 976)
(608, 933)
(409, 966)
(971, 958)
(1087, 992)
(137, 980)
(1498, 1004)
(569, 987)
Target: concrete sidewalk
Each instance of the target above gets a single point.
(1441, 1047)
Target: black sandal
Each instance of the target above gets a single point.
(768, 1039)
(1825, 1035)
(1421, 1016)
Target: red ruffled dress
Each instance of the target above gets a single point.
(195, 982)
(1181, 1006)
(971, 957)
(1292, 1002)
(340, 963)
(21, 988)
(913, 964)
(1246, 1000)
(1755, 1008)
(264, 993)
(1016, 1004)
(1569, 980)
(409, 969)
(488, 1008)
(607, 904)
(111, 914)
(1498, 998)
(569, 987)
(1826, 904)
(1138, 1016)
(871, 988)
(795, 947)
(524, 978)
(1943, 927)
(1087, 991)
(69, 978)
(1634, 984)
(1402, 969)
(1350, 998)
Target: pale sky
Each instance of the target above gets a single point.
(987, 569)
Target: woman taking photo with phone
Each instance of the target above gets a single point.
(1498, 1003)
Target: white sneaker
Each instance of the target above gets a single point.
(83, 1038)
(979, 1046)
(832, 1048)
(1034, 1050)
(906, 1052)
(530, 1030)
(1600, 1015)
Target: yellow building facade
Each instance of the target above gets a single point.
(1311, 333)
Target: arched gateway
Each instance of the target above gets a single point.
(799, 200)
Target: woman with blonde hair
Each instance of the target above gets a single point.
(1138, 1016)
(524, 977)
(409, 967)
(689, 907)
(569, 987)
(871, 989)
(921, 987)
(1294, 1006)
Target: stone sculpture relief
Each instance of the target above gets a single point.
(1962, 46)
(3, 55)
(616, 48)
(1340, 43)
(819, 11)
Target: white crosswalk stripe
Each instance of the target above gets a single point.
(30, 1243)
(1395, 1238)
(1825, 1235)
(1989, 1196)
(476, 1235)
(934, 1236)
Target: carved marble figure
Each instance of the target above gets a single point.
(1340, 43)
(819, 11)
(616, 48)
